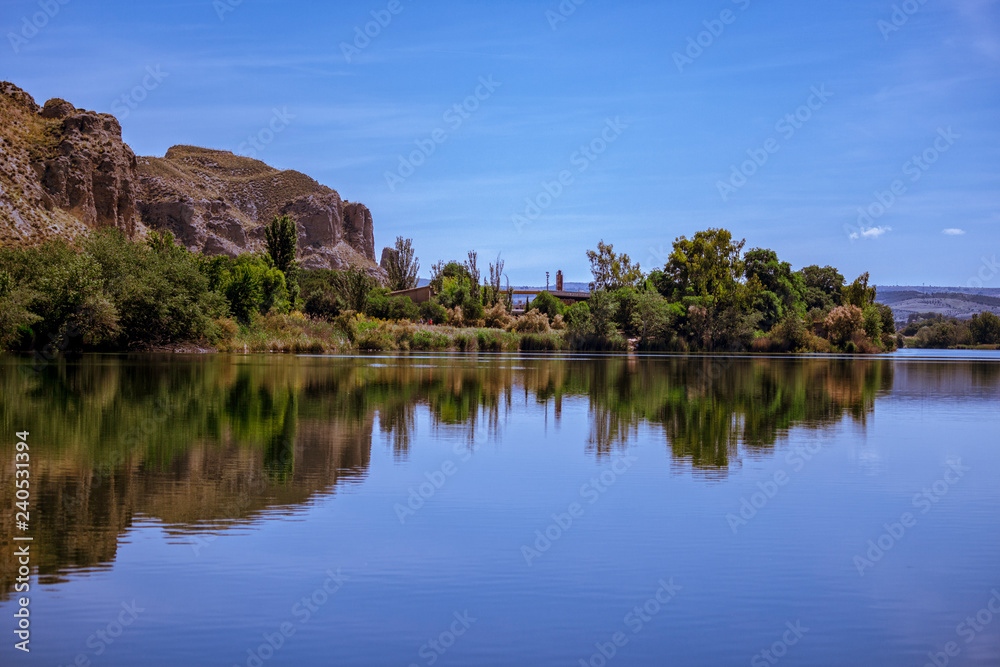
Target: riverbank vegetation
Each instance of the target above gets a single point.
(111, 293)
(933, 331)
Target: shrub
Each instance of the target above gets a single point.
(347, 322)
(250, 285)
(112, 292)
(943, 335)
(433, 312)
(226, 329)
(548, 304)
(466, 342)
(375, 339)
(590, 342)
(533, 321)
(538, 342)
(15, 317)
(872, 322)
(843, 323)
(385, 307)
(489, 341)
(455, 317)
(789, 335)
(458, 292)
(429, 340)
(817, 344)
(497, 317)
(577, 318)
(323, 304)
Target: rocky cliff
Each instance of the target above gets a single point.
(65, 171)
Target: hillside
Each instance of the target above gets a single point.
(65, 171)
(947, 301)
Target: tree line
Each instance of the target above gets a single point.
(109, 292)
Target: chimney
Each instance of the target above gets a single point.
(559, 281)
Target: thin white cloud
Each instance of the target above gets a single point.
(953, 232)
(870, 233)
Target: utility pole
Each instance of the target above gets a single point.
(546, 281)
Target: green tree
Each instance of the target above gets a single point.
(452, 269)
(823, 287)
(654, 318)
(611, 270)
(873, 322)
(456, 284)
(602, 314)
(493, 292)
(16, 317)
(781, 290)
(355, 285)
(859, 293)
(708, 265)
(282, 238)
(888, 318)
(251, 285)
(402, 266)
(985, 329)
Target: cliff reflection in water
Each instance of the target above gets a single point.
(204, 443)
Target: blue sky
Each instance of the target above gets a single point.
(776, 120)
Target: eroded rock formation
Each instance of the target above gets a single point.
(65, 171)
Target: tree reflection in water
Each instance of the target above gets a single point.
(208, 442)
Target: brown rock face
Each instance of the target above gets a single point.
(91, 173)
(319, 218)
(219, 203)
(65, 171)
(360, 230)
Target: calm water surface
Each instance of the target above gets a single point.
(507, 510)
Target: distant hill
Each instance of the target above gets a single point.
(958, 302)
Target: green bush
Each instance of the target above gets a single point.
(383, 306)
(577, 317)
(548, 304)
(110, 293)
(489, 341)
(429, 340)
(789, 335)
(459, 293)
(872, 322)
(626, 303)
(433, 312)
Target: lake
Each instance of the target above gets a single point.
(505, 510)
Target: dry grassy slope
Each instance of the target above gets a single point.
(259, 191)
